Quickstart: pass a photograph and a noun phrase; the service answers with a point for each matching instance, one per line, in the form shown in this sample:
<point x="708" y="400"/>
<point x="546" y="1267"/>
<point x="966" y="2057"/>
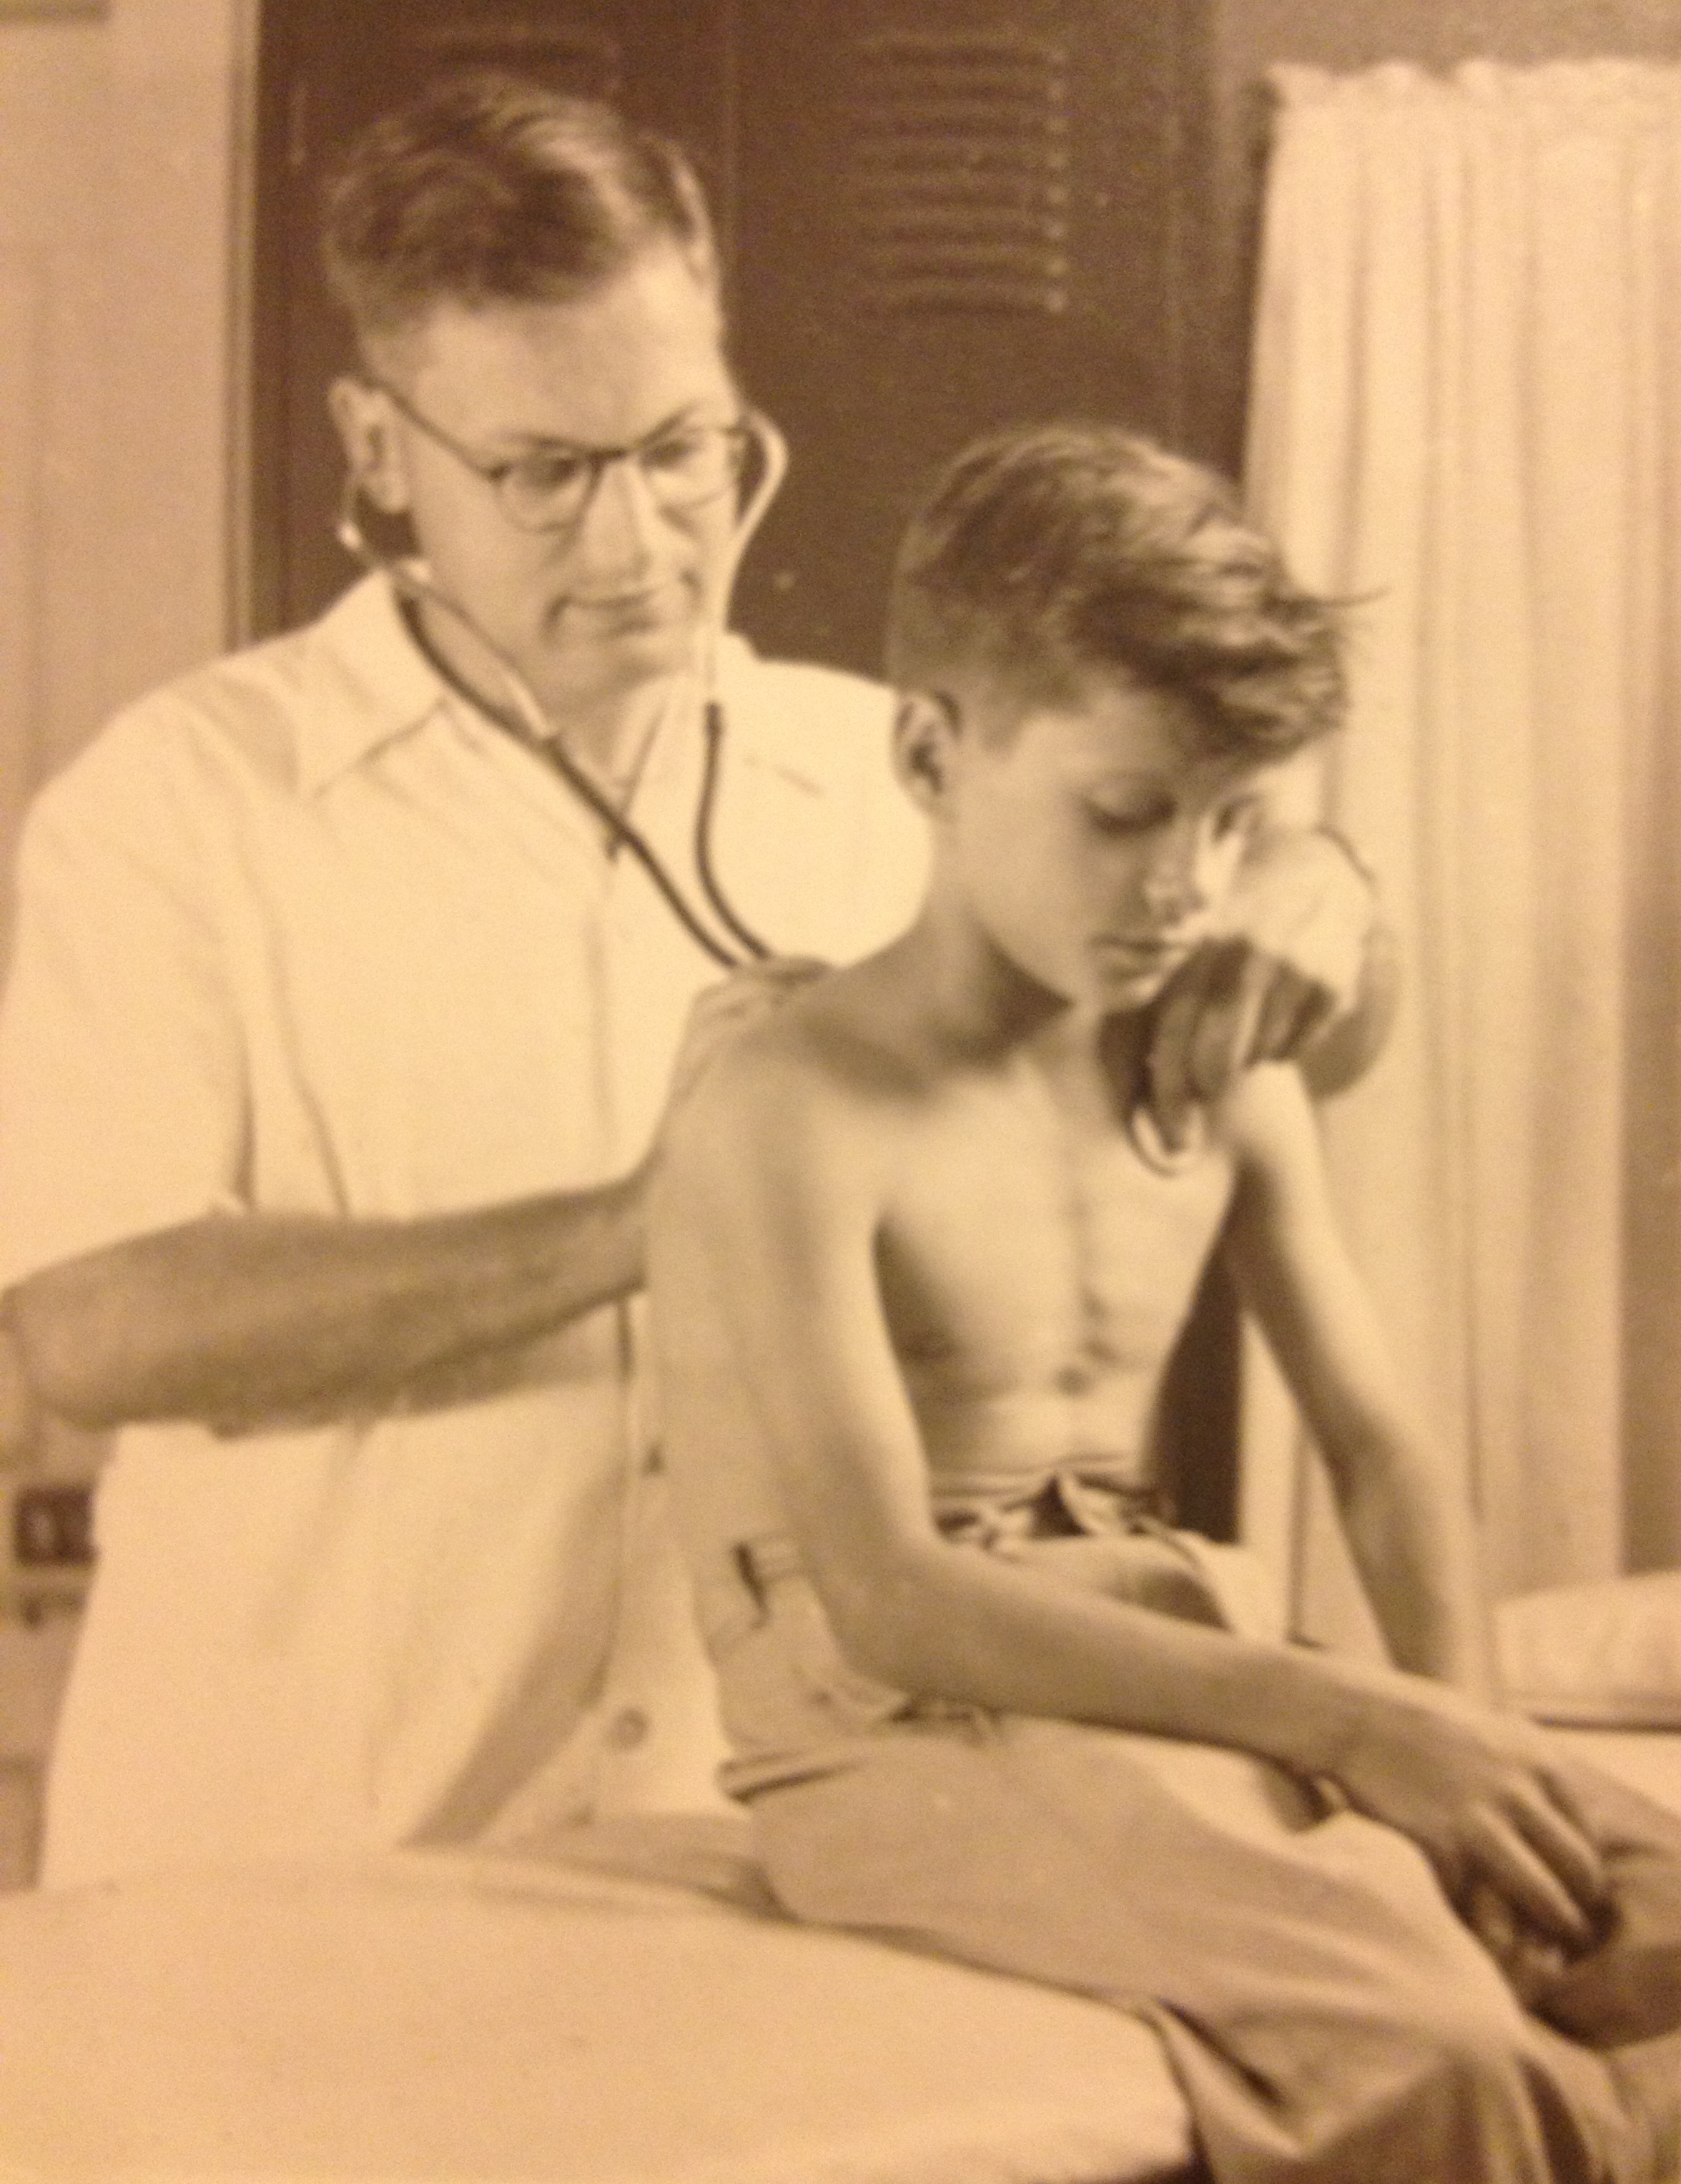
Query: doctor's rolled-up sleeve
<point x="122" y="1095"/>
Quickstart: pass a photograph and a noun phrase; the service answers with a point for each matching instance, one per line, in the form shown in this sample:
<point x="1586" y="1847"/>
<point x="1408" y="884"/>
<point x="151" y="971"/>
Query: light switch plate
<point x="47" y="1548"/>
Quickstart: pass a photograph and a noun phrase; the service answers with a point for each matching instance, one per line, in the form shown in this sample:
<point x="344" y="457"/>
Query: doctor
<point x="340" y="1027"/>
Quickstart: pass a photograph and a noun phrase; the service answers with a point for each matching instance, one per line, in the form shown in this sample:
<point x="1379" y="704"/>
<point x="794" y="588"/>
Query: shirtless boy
<point x="916" y="1270"/>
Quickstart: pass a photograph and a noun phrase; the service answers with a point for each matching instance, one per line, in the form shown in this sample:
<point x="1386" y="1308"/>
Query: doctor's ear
<point x="926" y="731"/>
<point x="362" y="413"/>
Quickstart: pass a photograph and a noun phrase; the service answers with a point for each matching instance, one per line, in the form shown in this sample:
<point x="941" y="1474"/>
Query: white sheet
<point x="432" y="2019"/>
<point x="427" y="2018"/>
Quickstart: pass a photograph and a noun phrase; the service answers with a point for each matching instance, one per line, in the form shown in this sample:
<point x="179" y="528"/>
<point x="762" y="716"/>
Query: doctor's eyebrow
<point x="703" y="410"/>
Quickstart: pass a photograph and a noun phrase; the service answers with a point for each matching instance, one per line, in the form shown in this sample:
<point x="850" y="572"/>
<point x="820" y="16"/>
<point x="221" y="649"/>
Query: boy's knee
<point x="1499" y="2084"/>
<point x="1418" y="2086"/>
<point x="1627" y="1991"/>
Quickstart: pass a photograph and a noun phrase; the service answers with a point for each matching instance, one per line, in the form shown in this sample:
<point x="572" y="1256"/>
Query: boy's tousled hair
<point x="1046" y="554"/>
<point x="487" y="189"/>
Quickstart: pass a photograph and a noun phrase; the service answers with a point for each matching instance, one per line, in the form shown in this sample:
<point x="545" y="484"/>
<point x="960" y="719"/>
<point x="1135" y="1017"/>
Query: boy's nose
<point x="1175" y="886"/>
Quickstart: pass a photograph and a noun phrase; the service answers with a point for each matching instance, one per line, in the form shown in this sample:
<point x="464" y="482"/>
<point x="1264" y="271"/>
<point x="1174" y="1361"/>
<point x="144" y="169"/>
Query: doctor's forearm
<point x="239" y="1320"/>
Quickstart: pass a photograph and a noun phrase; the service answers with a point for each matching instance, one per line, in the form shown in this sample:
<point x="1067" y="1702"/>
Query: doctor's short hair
<point x="488" y="188"/>
<point x="1045" y="554"/>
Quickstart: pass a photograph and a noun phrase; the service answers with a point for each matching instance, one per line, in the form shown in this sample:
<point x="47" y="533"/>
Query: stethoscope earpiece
<point x="347" y="528"/>
<point x="527" y="721"/>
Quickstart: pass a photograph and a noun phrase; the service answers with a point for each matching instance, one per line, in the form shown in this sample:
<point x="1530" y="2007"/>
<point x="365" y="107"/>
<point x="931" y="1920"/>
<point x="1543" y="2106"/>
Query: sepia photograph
<point x="840" y="1091"/>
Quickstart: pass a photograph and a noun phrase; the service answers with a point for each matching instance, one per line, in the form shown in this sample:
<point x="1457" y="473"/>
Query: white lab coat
<point x="305" y="932"/>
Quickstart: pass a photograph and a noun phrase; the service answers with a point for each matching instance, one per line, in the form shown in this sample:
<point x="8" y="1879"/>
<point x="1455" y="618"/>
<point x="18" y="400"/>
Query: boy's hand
<point x="1532" y="1963"/>
<point x="1481" y="1794"/>
<point x="1303" y="971"/>
<point x="722" y="1012"/>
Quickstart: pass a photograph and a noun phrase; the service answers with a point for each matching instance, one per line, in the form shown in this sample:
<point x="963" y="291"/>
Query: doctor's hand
<point x="722" y="1012"/>
<point x="1303" y="969"/>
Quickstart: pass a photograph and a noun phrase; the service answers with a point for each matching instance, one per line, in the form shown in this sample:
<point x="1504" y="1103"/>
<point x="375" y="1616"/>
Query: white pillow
<point x="1607" y="1653"/>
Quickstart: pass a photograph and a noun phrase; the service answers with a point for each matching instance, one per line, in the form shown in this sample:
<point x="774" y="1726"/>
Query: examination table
<point x="438" y="2018"/>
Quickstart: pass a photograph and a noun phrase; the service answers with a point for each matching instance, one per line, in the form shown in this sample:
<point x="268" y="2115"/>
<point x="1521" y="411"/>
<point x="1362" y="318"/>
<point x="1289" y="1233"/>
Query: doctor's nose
<point x="621" y="527"/>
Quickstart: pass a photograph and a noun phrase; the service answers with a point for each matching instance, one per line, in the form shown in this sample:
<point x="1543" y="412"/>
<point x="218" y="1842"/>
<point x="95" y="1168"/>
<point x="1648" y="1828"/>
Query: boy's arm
<point x="1408" y="1525"/>
<point x="773" y="1181"/>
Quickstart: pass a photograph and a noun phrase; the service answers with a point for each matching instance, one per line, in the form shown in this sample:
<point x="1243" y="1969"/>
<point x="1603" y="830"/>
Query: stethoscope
<point x="737" y="944"/>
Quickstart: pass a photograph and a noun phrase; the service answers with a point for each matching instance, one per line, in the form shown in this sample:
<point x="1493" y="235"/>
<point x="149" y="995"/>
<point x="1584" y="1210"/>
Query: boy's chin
<point x="1133" y="977"/>
<point x="1120" y="993"/>
<point x="1099" y="988"/>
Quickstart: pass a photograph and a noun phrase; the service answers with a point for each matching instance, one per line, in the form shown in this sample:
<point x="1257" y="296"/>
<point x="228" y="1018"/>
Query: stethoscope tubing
<point x="739" y="944"/>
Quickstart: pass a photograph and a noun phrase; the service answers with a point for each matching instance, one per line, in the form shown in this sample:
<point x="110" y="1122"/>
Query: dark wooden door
<point x="937" y="215"/>
<point x="954" y="213"/>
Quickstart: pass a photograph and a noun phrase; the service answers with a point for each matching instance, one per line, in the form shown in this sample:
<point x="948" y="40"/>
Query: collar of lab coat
<point x="367" y="682"/>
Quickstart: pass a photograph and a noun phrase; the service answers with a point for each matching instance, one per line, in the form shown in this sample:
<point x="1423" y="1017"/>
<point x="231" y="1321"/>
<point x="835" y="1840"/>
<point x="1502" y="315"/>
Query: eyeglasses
<point x="550" y="487"/>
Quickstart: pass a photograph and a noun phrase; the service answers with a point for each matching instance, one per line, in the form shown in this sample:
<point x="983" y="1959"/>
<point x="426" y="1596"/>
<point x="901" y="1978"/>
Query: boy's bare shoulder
<point x="824" y="1056"/>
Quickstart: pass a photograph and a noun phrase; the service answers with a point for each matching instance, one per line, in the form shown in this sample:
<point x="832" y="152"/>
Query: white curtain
<point x="1467" y="416"/>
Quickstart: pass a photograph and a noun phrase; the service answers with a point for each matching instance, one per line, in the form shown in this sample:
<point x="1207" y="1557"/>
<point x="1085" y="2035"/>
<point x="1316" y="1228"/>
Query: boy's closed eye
<point x="1128" y="816"/>
<point x="1241" y="816"/>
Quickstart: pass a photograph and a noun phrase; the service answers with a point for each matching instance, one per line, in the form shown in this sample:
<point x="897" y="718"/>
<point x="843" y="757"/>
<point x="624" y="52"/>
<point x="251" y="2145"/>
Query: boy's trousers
<point x="1329" y="2018"/>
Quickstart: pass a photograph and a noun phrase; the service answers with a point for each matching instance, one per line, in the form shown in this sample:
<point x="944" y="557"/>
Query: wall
<point x="1350" y="34"/>
<point x="118" y="152"/>
<point x="122" y="148"/>
<point x="181" y="82"/>
<point x="121" y="141"/>
<point x="55" y="195"/>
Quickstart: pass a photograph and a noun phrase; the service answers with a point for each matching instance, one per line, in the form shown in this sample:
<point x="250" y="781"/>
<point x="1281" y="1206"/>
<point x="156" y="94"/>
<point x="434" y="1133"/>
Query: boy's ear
<point x="924" y="735"/>
<point x="363" y="417"/>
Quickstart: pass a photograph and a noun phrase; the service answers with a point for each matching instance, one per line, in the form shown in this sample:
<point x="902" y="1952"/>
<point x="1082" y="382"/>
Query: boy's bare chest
<point x="1028" y="1241"/>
